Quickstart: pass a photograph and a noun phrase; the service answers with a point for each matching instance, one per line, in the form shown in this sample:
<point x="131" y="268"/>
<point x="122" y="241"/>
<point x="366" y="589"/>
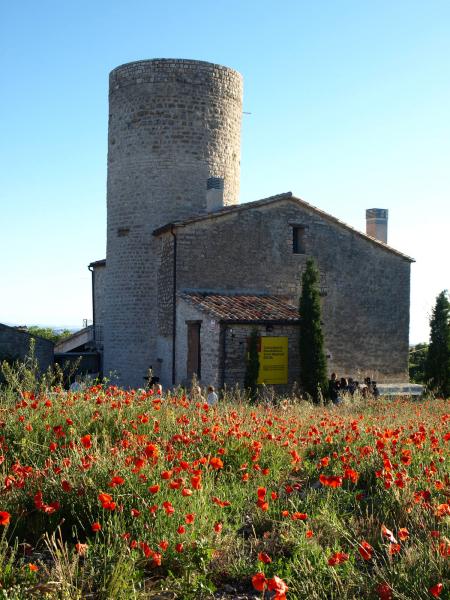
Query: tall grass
<point x="80" y="475"/>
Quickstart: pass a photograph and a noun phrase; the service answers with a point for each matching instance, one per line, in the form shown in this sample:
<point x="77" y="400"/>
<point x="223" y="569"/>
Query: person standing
<point x="212" y="398"/>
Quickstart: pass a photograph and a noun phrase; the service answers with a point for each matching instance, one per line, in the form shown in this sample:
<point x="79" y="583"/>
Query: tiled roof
<point x="243" y="307"/>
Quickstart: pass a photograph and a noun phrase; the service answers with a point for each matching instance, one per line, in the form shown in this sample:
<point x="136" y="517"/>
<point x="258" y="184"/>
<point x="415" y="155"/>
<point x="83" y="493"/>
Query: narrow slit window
<point x="298" y="240"/>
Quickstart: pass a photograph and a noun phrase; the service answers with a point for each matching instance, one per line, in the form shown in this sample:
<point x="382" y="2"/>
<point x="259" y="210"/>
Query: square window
<point x="298" y="239"/>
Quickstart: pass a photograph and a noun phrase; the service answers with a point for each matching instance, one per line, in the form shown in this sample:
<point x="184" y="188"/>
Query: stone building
<point x="15" y="344"/>
<point x="189" y="271"/>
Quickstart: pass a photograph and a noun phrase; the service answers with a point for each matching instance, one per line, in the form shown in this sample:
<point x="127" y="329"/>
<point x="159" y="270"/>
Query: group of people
<point x="196" y="393"/>
<point x="211" y="398"/>
<point x="337" y="388"/>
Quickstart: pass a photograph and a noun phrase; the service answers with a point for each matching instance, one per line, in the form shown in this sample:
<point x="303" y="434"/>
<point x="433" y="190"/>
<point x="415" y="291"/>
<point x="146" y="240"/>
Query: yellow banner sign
<point x="273" y="360"/>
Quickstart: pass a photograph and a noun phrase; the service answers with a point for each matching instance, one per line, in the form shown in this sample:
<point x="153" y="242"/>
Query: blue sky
<point x="349" y="105"/>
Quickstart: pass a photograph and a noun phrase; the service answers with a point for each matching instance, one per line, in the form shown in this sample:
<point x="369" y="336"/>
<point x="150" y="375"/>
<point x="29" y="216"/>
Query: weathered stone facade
<point x="99" y="292"/>
<point x="365" y="284"/>
<point x="172" y="125"/>
<point x="15" y="345"/>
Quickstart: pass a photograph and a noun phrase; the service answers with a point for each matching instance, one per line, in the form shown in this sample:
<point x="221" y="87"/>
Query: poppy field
<point x="112" y="494"/>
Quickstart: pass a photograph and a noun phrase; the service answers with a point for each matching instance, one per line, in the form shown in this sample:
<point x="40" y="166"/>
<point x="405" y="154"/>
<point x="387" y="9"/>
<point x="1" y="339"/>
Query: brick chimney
<point x="376" y="223"/>
<point x="214" y="193"/>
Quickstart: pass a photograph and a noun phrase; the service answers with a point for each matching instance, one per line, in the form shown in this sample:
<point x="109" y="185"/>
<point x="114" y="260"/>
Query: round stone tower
<point x="173" y="124"/>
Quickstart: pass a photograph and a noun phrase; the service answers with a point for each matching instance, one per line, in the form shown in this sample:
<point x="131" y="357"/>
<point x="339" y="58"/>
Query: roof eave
<point x="259" y="321"/>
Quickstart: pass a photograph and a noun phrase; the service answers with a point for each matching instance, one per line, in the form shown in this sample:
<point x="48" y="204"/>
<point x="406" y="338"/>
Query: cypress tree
<point x="252" y="365"/>
<point x="437" y="366"/>
<point x="313" y="363"/>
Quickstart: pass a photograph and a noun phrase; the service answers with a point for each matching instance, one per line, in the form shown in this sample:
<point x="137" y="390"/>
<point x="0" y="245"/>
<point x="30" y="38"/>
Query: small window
<point x="298" y="239"/>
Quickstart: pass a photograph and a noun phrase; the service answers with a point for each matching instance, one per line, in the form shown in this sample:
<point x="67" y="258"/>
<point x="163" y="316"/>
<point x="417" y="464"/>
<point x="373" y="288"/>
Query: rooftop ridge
<point x="276" y="198"/>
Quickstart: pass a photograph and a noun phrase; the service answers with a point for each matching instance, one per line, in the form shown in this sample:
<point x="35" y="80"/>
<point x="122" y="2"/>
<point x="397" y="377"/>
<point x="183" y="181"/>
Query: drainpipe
<point x="224" y="349"/>
<point x="174" y="304"/>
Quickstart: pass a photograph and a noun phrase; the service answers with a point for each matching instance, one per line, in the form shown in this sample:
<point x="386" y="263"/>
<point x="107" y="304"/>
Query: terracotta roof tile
<point x="243" y="307"/>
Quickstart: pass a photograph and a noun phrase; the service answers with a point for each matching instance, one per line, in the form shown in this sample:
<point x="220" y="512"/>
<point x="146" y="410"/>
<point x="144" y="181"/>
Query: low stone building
<point x="15" y="344"/>
<point x="189" y="271"/>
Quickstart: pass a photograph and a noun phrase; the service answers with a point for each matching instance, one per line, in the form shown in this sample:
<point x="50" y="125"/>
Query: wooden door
<point x="194" y="350"/>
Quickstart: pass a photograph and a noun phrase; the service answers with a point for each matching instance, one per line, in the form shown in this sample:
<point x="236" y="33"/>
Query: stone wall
<point x="15" y="344"/>
<point x="172" y="124"/>
<point x="99" y="310"/>
<point x="209" y="344"/>
<point x="365" y="286"/>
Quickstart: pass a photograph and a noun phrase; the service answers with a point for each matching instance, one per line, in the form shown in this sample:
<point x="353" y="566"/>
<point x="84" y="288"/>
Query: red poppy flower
<point x="387" y="533"/>
<point x="403" y="534"/>
<point x="196" y="482"/>
<point x="179" y="548"/>
<point x="86" y="441"/>
<point x="299" y="516"/>
<point x="163" y="544"/>
<point x="278" y="586"/>
<point x="216" y="463"/>
<point x="168" y="508"/>
<point x="436" y="590"/>
<point x="221" y="503"/>
<point x="218" y="527"/>
<point x="4" y="518"/>
<point x="181" y="529"/>
<point x="96" y="527"/>
<point x="442" y="510"/>
<point x="33" y="567"/>
<point x="394" y="549"/>
<point x="106" y="501"/>
<point x="337" y="558"/>
<point x="263" y="505"/>
<point x="117" y="480"/>
<point x="309" y="534"/>
<point x="153" y="489"/>
<point x="66" y="486"/>
<point x="148" y="552"/>
<point x="151" y="451"/>
<point x="81" y="549"/>
<point x="332" y="481"/>
<point x="265" y="558"/>
<point x="365" y="550"/>
<point x="384" y="591"/>
<point x="259" y="582"/>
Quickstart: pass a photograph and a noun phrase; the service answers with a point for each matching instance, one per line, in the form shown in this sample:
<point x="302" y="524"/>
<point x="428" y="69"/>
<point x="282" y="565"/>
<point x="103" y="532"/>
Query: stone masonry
<point x="364" y="284"/>
<point x="15" y="345"/>
<point x="172" y="125"/>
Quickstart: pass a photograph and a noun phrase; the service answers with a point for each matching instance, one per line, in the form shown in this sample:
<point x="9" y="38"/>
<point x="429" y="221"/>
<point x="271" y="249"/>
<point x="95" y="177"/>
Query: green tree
<point x="313" y="362"/>
<point x="252" y="365"/>
<point x="417" y="359"/>
<point x="437" y="366"/>
<point x="54" y="335"/>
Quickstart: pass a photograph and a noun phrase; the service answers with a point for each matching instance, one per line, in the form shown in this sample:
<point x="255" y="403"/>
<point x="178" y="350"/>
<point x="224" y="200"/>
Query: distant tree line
<point x="54" y="335"/>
